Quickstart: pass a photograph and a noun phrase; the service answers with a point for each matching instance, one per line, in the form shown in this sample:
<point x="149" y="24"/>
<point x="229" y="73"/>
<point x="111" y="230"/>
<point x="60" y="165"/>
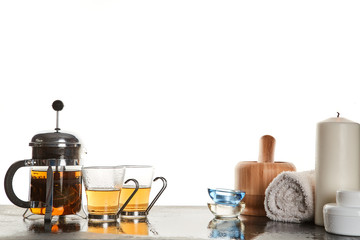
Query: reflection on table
<point x="58" y="225"/>
<point x="135" y="226"/>
<point x="226" y="228"/>
<point x="124" y="226"/>
<point x="65" y="224"/>
<point x="170" y="222"/>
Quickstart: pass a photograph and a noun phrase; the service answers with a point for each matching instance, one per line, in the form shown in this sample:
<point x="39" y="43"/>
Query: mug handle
<point x="158" y="195"/>
<point x="131" y="196"/>
<point x="8" y="183"/>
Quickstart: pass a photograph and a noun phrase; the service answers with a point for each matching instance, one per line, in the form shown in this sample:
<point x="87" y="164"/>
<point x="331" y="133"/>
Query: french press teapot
<point x="55" y="184"/>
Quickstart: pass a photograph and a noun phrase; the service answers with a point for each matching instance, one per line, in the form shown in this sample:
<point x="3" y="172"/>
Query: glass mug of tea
<point x="103" y="185"/>
<point x="138" y="206"/>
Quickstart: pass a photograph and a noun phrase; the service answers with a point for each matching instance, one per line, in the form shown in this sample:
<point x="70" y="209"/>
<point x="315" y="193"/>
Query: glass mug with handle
<point x="103" y="185"/>
<point x="138" y="206"/>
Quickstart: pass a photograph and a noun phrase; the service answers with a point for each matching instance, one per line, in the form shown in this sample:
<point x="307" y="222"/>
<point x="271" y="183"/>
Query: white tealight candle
<point x="337" y="164"/>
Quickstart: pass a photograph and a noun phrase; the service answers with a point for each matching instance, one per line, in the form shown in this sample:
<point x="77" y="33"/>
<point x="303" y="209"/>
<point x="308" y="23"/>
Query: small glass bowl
<point x="226" y="211"/>
<point x="226" y="196"/>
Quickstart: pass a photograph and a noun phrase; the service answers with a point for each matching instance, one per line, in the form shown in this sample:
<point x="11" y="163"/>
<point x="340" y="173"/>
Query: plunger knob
<point x="57" y="106"/>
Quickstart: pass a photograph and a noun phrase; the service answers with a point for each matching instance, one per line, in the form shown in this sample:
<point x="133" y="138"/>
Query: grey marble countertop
<point x="163" y="222"/>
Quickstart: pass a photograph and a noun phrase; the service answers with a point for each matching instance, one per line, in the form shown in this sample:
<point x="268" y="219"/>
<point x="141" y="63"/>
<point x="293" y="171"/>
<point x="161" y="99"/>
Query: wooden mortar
<point x="254" y="177"/>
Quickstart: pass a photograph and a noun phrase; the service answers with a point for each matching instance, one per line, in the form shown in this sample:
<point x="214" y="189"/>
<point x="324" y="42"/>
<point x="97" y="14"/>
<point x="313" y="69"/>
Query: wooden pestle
<point x="254" y="177"/>
<point x="267" y="149"/>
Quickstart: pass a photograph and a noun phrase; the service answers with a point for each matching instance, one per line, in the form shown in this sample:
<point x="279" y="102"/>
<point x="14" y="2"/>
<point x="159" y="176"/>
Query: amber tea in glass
<point x="139" y="202"/>
<point x="67" y="191"/>
<point x="103" y="201"/>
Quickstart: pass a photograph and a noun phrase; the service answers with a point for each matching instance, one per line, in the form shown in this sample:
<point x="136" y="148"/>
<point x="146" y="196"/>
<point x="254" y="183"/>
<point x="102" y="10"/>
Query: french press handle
<point x="8" y="183"/>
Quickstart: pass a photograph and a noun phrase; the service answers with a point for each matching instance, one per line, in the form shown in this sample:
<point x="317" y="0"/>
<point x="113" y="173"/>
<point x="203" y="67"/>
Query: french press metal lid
<point x="53" y="149"/>
<point x="63" y="147"/>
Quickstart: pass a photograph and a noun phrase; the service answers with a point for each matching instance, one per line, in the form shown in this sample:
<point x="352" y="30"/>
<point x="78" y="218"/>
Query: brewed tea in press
<point x="55" y="184"/>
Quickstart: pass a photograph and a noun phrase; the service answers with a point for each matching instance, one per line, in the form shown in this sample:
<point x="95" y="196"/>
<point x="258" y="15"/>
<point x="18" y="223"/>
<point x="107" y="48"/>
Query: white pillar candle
<point x="337" y="161"/>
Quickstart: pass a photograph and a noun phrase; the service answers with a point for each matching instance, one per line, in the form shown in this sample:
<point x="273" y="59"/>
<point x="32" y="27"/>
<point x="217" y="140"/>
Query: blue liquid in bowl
<point x="226" y="196"/>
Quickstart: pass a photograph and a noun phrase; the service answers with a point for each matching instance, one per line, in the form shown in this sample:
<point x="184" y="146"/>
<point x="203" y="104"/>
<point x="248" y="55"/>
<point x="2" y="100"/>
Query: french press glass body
<point x="55" y="184"/>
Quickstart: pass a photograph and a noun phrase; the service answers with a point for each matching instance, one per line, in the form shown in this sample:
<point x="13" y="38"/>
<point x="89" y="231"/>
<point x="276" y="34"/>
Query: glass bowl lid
<point x="226" y="196"/>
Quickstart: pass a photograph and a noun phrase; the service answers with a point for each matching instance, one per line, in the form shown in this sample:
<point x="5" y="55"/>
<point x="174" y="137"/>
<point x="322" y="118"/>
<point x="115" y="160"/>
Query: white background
<point x="188" y="86"/>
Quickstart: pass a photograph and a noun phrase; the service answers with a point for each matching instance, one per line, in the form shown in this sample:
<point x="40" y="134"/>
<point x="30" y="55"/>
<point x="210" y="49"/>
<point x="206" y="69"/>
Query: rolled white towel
<point x="290" y="197"/>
